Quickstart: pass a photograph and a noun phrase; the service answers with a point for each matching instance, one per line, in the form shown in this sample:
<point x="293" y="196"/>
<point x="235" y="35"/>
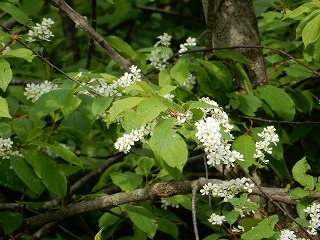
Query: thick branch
<point x="158" y="190"/>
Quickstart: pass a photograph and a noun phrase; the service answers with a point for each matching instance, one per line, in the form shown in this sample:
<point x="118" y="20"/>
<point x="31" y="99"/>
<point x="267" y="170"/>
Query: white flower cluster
<point x="190" y="82"/>
<point x="41" y="31"/>
<point x="160" y="55"/>
<point x="216" y="219"/>
<point x="269" y="136"/>
<point x="169" y="96"/>
<point x="110" y="90"/>
<point x="6" y="49"/>
<point x="184" y="117"/>
<point x="124" y="143"/>
<point x="314" y="212"/>
<point x="287" y="234"/>
<point x="238" y="229"/>
<point x="228" y="189"/>
<point x="165" y="204"/>
<point x="164" y="40"/>
<point x="6" y="148"/>
<point x="189" y="42"/>
<point x="34" y="91"/>
<point x="209" y="128"/>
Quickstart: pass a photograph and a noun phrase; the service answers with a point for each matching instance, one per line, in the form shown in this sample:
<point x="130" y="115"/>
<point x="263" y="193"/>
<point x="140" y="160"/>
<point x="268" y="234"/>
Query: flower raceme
<point x="41" y="31"/>
<point x="34" y="91"/>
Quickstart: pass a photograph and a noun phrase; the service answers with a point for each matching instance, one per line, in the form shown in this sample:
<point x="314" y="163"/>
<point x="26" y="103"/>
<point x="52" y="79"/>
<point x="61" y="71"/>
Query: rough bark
<point x="233" y="23"/>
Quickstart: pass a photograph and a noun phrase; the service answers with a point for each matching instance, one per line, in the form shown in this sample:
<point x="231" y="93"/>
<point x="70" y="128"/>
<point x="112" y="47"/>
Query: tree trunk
<point x="233" y="23"/>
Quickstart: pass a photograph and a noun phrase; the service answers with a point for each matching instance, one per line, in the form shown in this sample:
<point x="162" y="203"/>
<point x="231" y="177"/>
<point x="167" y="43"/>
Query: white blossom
<point x="269" y="136"/>
<point x="6" y="148"/>
<point x="216" y="219"/>
<point x="159" y="58"/>
<point x="314" y="214"/>
<point x="165" y="204"/>
<point x="189" y="42"/>
<point x="228" y="189"/>
<point x="34" y="91"/>
<point x="41" y="31"/>
<point x="190" y="82"/>
<point x="164" y="40"/>
<point x="101" y="87"/>
<point x="124" y="143"/>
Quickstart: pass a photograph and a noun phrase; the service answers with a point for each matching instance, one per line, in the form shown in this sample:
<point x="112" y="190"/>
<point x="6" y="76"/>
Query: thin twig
<point x="93" y="23"/>
<point x="194" y="187"/>
<point x="275" y="121"/>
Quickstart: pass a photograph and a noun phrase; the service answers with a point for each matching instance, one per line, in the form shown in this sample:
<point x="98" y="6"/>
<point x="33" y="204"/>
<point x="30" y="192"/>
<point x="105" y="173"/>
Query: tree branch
<point x="155" y="191"/>
<point x="82" y="22"/>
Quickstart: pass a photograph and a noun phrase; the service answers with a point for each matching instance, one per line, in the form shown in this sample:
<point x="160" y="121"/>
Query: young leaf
<point x="145" y="164"/>
<point x="48" y="171"/>
<point x="22" y="127"/>
<point x="164" y="78"/>
<point x="126" y="181"/>
<point x="180" y="70"/>
<point x="10" y="221"/>
<point x="299" y="174"/>
<point x="121" y="105"/>
<point x="263" y="230"/>
<point x="4" y="110"/>
<point x="246" y="146"/>
<point x="311" y="32"/>
<point x="279" y="101"/>
<point x="26" y="174"/>
<point x="143" y="219"/>
<point x="98" y="235"/>
<point x="70" y="105"/>
<point x="5" y="74"/>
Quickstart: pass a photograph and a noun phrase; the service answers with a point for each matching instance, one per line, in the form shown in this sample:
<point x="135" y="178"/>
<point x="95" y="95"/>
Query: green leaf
<point x="263" y="230"/>
<point x="21" y="53"/>
<point x="143" y="219"/>
<point x="146" y="110"/>
<point x="180" y="70"/>
<point x="119" y="106"/>
<point x="22" y="127"/>
<point x="48" y="171"/>
<point x="168" y="145"/>
<point x="231" y="217"/>
<point x="64" y="153"/>
<point x="26" y="174"/>
<point x="126" y="181"/>
<point x="311" y="32"/>
<point x="167" y="226"/>
<point x="244" y="78"/>
<point x="15" y="12"/>
<point x="70" y="105"/>
<point x="245" y="145"/>
<point x="220" y="72"/>
<point x="145" y="164"/>
<point x="237" y="57"/>
<point x="298" y="193"/>
<point x="214" y="236"/>
<point x="304" y="8"/>
<point x="298" y="72"/>
<point x="49" y="102"/>
<point x="166" y="89"/>
<point x="4" y="110"/>
<point x="10" y="221"/>
<point x="164" y="78"/>
<point x="279" y="101"/>
<point x="299" y="174"/>
<point x="5" y="74"/>
<point x="98" y="235"/>
<point x="100" y="104"/>
<point x="249" y="104"/>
